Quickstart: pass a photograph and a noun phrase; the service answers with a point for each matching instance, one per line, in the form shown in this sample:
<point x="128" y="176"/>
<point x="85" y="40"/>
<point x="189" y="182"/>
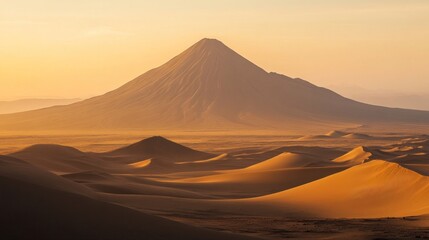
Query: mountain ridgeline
<point x="211" y="87"/>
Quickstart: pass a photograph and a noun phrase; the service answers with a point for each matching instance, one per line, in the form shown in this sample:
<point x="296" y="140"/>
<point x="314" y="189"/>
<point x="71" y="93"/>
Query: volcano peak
<point x="209" y="86"/>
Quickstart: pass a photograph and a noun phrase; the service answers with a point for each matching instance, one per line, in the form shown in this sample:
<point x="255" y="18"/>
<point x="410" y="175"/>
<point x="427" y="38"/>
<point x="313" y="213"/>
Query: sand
<point x="260" y="181"/>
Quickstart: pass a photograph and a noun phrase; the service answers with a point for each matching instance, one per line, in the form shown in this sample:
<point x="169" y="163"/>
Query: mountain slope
<point x="211" y="87"/>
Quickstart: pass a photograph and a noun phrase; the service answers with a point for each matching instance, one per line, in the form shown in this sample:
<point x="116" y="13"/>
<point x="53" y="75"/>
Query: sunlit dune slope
<point x="284" y="160"/>
<point x="356" y="156"/>
<point x="374" y="189"/>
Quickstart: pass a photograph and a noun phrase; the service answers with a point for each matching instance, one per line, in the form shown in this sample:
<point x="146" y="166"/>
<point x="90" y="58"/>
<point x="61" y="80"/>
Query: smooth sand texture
<point x="34" y="212"/>
<point x="295" y="180"/>
<point x="337" y="134"/>
<point x="22" y="171"/>
<point x="211" y="87"/>
<point x="374" y="189"/>
<point x="284" y="160"/>
<point x="64" y="159"/>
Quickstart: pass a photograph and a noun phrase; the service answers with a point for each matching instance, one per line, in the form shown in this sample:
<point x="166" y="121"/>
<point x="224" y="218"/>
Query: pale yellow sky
<point x="81" y="48"/>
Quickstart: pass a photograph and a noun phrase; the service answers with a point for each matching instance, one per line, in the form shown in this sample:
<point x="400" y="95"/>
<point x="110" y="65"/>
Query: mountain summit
<point x="211" y="87"/>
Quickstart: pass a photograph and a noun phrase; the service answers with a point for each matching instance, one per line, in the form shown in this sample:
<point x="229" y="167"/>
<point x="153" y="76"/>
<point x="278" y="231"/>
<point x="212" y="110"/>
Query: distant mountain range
<point x="28" y="104"/>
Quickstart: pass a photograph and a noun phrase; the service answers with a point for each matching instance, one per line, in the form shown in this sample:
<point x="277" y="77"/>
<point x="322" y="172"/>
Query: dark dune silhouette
<point x="34" y="212"/>
<point x="160" y="147"/>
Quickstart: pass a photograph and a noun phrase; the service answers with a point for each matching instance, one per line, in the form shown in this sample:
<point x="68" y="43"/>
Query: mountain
<point x="22" y="105"/>
<point x="211" y="87"/>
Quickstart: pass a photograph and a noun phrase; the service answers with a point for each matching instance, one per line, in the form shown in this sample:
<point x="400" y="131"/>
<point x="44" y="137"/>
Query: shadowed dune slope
<point x="17" y="169"/>
<point x="211" y="87"/>
<point x="284" y="171"/>
<point x="61" y="159"/>
<point x="245" y="183"/>
<point x="126" y="184"/>
<point x="160" y="147"/>
<point x="33" y="212"/>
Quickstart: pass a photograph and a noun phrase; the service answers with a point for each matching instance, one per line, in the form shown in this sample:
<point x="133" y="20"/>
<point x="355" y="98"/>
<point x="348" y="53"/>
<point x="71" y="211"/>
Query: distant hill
<point x="22" y="105"/>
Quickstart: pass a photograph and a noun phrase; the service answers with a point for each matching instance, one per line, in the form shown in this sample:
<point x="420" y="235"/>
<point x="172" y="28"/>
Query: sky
<point x="364" y="49"/>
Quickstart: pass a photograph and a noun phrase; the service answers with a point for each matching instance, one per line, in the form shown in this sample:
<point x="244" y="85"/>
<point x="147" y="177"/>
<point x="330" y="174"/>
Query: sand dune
<point x="292" y="182"/>
<point x="371" y="190"/>
<point x="281" y="172"/>
<point x="336" y="134"/>
<point x="244" y="183"/>
<point x="62" y="159"/>
<point x="127" y="184"/>
<point x="413" y="158"/>
<point x="19" y="170"/>
<point x="356" y="156"/>
<point x="374" y="189"/>
<point x="159" y="154"/>
<point x="141" y="164"/>
<point x="159" y="147"/>
<point x="285" y="160"/>
<point x="34" y="212"/>
<point x="217" y="158"/>
<point x="357" y="136"/>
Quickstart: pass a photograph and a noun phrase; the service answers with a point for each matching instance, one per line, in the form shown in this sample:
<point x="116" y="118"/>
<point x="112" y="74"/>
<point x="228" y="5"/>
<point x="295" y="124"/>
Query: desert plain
<point x="334" y="185"/>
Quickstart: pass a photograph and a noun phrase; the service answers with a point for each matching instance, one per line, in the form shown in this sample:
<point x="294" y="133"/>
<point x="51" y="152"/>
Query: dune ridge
<point x="356" y="156"/>
<point x="379" y="188"/>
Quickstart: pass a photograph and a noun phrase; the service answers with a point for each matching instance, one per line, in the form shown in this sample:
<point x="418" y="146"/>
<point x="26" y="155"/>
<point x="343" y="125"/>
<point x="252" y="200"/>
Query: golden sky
<point x="81" y="48"/>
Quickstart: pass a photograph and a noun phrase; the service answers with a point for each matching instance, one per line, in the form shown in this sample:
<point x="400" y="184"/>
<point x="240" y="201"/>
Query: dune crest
<point x="141" y="164"/>
<point x="283" y="160"/>
<point x="374" y="189"/>
<point x="356" y="156"/>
